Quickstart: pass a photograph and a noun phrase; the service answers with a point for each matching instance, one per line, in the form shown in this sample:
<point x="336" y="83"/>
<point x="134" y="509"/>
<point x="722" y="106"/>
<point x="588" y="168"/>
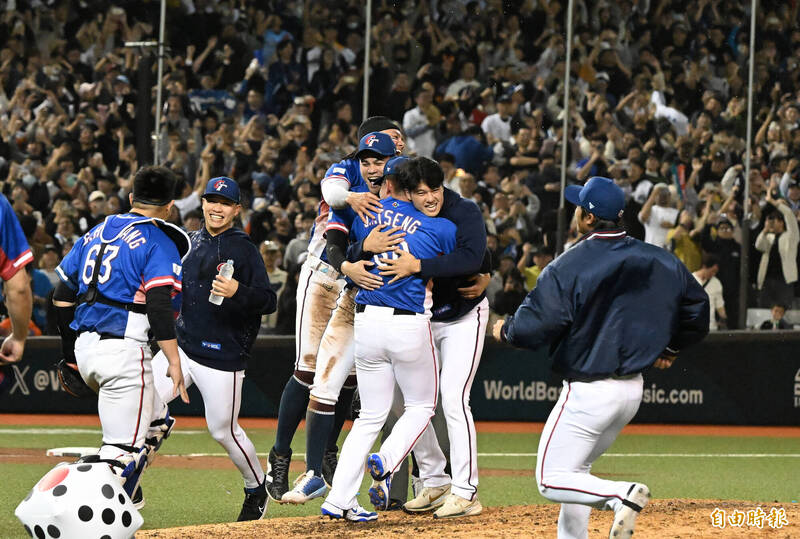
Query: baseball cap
<point x="97" y="195"/>
<point x="223" y="186"/>
<point x="123" y="79"/>
<point x="599" y="195"/>
<point x="393" y="163"/>
<point x="271" y="246"/>
<point x="378" y="143"/>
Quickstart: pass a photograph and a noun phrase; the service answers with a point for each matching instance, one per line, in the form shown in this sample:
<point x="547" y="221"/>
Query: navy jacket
<point x="450" y="271"/>
<point x="221" y="336"/>
<point x="609" y="306"/>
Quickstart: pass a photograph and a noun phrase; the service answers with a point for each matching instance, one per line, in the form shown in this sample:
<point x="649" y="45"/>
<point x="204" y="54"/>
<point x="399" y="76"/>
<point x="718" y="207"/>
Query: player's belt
<point x="103" y="336"/>
<point x="360" y="308"/>
<point x="316" y="264"/>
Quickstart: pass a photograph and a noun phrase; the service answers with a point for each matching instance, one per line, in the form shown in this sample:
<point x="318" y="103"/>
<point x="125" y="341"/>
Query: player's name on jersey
<point x="132" y="236"/>
<point x="394" y="218"/>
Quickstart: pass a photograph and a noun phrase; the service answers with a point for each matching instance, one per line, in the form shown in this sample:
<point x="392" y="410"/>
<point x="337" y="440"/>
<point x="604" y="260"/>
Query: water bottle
<point x="226" y="271"/>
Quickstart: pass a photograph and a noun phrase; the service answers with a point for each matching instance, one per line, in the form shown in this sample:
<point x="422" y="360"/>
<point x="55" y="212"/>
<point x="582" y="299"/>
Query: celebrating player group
<point x="391" y="302"/>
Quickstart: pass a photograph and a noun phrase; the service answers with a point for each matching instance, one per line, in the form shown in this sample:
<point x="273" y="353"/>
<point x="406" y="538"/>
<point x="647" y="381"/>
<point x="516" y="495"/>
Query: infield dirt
<point x="660" y="519"/>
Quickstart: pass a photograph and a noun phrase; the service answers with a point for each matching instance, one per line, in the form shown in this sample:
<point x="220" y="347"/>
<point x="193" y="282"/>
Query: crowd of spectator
<point x="270" y="94"/>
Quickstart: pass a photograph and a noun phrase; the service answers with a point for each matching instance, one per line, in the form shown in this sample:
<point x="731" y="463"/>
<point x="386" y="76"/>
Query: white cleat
<point x="455" y="506"/>
<point x="625" y="517"/>
<point x="428" y="499"/>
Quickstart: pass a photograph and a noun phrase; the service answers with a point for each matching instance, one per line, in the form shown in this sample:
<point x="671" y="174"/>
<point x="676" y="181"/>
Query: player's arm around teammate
<point x="216" y="340"/>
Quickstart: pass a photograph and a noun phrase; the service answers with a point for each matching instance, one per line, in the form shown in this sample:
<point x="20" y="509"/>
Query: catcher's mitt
<point x="71" y="380"/>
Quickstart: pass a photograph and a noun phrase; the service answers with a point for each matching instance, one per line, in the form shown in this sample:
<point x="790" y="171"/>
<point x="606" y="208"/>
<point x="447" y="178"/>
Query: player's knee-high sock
<point x="319" y="422"/>
<point x="343" y="406"/>
<point x="293" y="406"/>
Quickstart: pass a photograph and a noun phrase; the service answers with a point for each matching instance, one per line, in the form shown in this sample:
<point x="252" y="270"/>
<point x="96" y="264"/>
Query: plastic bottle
<point x="226" y="271"/>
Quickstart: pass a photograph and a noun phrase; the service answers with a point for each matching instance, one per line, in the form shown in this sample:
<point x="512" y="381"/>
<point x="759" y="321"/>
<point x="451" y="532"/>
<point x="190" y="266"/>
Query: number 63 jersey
<point x="426" y="237"/>
<point x="141" y="253"/>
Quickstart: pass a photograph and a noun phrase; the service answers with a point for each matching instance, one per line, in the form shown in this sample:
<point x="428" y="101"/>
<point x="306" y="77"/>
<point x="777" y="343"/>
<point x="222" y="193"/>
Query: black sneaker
<point x="255" y="503"/>
<point x="277" y="480"/>
<point x="329" y="462"/>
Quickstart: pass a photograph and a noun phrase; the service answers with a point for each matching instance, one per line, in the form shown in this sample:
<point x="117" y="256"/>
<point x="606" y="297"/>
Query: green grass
<point x="177" y="497"/>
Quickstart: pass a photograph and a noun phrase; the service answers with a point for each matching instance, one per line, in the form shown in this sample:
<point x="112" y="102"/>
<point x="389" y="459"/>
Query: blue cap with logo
<point x="378" y="143"/>
<point x="600" y="196"/>
<point x="393" y="163"/>
<point x="224" y="187"/>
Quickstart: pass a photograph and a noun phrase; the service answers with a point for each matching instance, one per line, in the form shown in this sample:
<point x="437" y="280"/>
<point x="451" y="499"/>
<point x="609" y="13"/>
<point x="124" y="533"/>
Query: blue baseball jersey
<point x="426" y="237"/>
<point x="14" y="249"/>
<point x="138" y="256"/>
<point x="348" y="170"/>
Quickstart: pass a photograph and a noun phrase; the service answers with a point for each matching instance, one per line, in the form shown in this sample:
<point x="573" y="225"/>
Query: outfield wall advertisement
<point x="739" y="378"/>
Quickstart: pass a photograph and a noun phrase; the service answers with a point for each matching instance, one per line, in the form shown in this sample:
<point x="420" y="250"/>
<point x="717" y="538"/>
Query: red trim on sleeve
<point x="336" y="226"/>
<point x="9" y="268"/>
<point x="162" y="281"/>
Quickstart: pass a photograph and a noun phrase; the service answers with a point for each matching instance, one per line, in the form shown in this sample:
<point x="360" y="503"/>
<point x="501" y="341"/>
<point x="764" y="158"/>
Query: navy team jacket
<point x="610" y="305"/>
<point x="221" y="336"/>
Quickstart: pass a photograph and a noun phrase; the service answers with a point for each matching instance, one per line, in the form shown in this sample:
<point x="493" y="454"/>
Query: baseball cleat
<point x="329" y="463"/>
<point x="307" y="487"/>
<point x="376" y="466"/>
<point x="255" y="503"/>
<point x="379" y="493"/>
<point x="428" y="499"/>
<point x="455" y="506"/>
<point x="278" y="475"/>
<point x="625" y="517"/>
<point x="354" y="514"/>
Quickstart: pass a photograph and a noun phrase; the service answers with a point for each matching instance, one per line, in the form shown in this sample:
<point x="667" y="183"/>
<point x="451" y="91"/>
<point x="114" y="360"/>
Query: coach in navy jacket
<point x="610" y="306"/>
<point x="221" y="336"/>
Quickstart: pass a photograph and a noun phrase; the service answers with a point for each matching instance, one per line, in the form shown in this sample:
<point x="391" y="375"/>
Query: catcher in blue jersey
<point x="116" y="287"/>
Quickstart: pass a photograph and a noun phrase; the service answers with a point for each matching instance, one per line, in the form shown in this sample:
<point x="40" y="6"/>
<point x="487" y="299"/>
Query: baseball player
<point x="116" y="285"/>
<point x="393" y="344"/>
<point x="214" y="341"/>
<point x="14" y="256"/>
<point x="460" y="314"/>
<point x="609" y="308"/>
<point x="324" y="331"/>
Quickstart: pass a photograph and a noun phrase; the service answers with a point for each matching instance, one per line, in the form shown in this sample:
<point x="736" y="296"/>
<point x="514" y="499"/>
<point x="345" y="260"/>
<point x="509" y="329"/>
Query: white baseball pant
<point x="222" y="398"/>
<point x="318" y="291"/>
<point x="584" y="422"/>
<point x="120" y="369"/>
<point x="459" y="344"/>
<point x="388" y="347"/>
<point x="335" y="357"/>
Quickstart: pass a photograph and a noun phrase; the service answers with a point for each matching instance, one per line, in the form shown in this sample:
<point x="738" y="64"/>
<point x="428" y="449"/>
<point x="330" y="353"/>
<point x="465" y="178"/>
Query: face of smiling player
<point x="372" y="168"/>
<point x="397" y="138"/>
<point x="219" y="213"/>
<point x="428" y="201"/>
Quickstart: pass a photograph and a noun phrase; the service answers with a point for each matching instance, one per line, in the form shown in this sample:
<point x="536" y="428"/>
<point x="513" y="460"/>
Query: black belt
<point x="103" y="336"/>
<point x="360" y="309"/>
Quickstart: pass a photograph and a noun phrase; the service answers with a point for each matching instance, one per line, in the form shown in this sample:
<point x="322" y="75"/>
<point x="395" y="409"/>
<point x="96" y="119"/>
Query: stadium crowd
<point x="270" y="94"/>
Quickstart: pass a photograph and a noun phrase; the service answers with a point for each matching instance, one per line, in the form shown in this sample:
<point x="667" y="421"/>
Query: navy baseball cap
<point x="378" y="143"/>
<point x="224" y="187"/>
<point x="600" y="196"/>
<point x="393" y="163"/>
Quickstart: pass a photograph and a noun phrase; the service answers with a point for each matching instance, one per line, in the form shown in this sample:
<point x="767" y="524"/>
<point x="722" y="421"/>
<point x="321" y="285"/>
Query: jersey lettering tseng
<point x="426" y="237"/>
<point x="348" y="170"/>
<point x="138" y="256"/>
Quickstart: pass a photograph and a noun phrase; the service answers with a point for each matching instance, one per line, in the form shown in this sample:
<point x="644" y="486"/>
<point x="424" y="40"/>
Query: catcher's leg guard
<point x="159" y="430"/>
<point x="129" y="468"/>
